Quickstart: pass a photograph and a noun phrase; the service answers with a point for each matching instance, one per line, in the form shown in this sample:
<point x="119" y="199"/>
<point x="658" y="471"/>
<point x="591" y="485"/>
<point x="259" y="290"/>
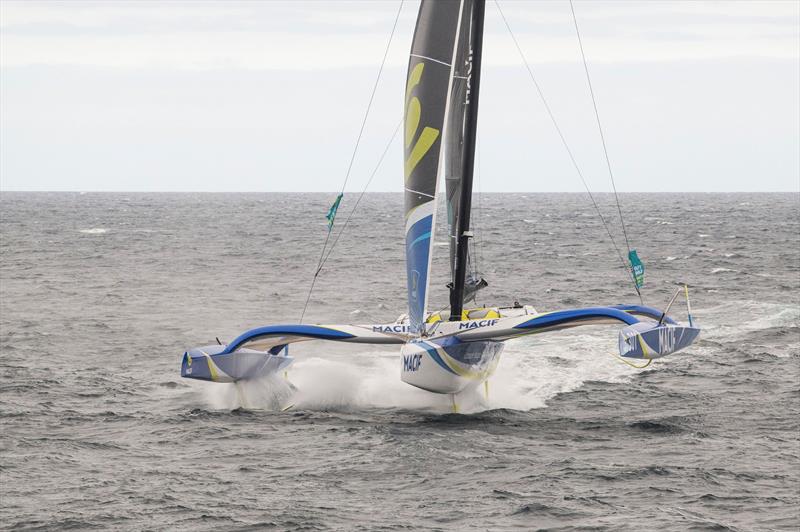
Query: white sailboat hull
<point x="448" y="365"/>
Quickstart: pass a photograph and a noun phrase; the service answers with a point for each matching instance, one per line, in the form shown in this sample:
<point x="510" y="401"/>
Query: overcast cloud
<point x="269" y="96"/>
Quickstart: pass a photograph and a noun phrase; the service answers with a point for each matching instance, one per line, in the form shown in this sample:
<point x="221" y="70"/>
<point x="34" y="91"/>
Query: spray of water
<point x="531" y="371"/>
<point x="269" y="393"/>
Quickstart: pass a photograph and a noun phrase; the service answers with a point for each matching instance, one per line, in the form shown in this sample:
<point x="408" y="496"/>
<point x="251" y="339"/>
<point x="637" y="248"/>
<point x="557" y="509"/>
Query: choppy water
<point x="100" y="294"/>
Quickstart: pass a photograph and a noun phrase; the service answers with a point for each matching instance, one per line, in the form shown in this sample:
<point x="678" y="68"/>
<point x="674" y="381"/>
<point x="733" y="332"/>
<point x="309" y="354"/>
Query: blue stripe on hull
<point x="567" y="316"/>
<point x="310" y="331"/>
<point x="431" y="350"/>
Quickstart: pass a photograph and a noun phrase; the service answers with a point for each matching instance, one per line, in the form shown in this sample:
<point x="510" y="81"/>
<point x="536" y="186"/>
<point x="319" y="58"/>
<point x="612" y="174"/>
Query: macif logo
<point x="390" y="328"/>
<point x="476" y="324"/>
<point x="412" y="362"/>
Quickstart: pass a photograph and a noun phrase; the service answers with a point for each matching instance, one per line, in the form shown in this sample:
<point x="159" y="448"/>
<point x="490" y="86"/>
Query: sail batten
<point x="431" y="59"/>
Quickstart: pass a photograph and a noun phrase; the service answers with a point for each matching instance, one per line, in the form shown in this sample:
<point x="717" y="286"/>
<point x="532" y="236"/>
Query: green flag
<point x="332" y="211"/>
<point x="637" y="267"/>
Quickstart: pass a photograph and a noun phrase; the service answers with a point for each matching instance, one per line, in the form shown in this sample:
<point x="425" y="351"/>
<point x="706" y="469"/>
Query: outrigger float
<point x="456" y="350"/>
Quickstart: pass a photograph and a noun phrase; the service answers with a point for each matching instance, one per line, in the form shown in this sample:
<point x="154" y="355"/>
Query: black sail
<point x="454" y="144"/>
<point x="465" y="113"/>
<point x="454" y="147"/>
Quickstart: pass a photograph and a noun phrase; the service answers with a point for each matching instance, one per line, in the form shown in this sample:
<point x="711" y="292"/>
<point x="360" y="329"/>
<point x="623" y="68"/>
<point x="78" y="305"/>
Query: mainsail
<point x="427" y="100"/>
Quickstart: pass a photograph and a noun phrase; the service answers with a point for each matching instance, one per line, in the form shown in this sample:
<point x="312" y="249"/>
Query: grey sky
<point x="269" y="96"/>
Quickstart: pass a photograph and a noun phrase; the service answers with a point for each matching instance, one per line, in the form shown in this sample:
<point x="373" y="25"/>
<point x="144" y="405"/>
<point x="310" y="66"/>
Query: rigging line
<point x="561" y="136"/>
<point x="372" y="96"/>
<point x="603" y="140"/>
<point x="363" y="191"/>
<point x="316" y="273"/>
<point x="324" y="259"/>
<point x="320" y="261"/>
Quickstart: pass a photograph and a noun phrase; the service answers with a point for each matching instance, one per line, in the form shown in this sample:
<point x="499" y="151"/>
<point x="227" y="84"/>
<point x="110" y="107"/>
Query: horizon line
<point x="89" y="191"/>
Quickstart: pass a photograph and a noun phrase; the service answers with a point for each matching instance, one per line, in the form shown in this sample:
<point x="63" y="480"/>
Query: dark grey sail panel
<point x="454" y="143"/>
<point x="426" y="96"/>
<point x="459" y="287"/>
<point x="454" y="149"/>
<point x="437" y="25"/>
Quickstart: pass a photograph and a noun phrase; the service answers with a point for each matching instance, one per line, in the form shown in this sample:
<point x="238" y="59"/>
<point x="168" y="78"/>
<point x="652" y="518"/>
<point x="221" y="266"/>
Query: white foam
<point x="531" y="371"/>
<point x="536" y="369"/>
<point x="777" y="316"/>
<point x="760" y="316"/>
<point x="94" y="231"/>
<point x="270" y="393"/>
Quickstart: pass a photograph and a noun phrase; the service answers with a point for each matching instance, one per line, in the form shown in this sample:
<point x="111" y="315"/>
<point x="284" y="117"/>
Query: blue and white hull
<point x="210" y="363"/>
<point x="448" y="365"/>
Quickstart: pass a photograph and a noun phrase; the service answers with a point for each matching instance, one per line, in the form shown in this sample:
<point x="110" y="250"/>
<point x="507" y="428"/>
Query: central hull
<point x="448" y="365"/>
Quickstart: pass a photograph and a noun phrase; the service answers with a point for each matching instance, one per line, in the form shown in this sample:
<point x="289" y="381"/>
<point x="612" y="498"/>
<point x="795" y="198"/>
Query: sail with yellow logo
<point x="430" y="75"/>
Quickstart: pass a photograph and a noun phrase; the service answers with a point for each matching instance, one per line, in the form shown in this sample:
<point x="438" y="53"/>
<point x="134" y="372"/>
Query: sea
<point x="101" y="294"/>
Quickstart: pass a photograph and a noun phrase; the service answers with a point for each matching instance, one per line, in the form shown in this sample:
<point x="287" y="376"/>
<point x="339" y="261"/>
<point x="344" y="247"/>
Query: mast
<point x="468" y="157"/>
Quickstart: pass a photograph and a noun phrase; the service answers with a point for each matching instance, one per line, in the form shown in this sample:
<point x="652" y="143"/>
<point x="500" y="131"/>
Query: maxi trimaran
<point x="451" y="351"/>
